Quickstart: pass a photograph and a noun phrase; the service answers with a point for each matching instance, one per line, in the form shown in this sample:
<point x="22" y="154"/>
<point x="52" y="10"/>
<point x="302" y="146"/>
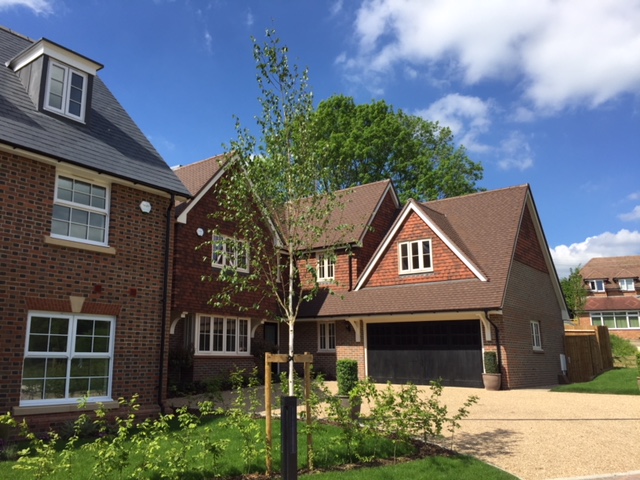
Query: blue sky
<point x="541" y="92"/>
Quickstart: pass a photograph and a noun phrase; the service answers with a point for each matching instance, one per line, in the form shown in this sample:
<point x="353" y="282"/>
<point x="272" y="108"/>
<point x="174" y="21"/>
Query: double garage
<point x="419" y="352"/>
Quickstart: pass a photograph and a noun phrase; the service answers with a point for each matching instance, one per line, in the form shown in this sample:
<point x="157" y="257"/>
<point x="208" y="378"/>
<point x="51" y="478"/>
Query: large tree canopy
<point x="365" y="143"/>
<point x="574" y="291"/>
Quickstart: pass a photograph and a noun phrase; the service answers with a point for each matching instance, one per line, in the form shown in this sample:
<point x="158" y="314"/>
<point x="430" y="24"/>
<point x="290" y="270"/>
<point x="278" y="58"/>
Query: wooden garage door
<point x="419" y="352"/>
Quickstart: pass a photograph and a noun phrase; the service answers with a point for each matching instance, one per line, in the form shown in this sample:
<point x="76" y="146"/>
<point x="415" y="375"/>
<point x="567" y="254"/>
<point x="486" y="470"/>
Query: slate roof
<point x="612" y="268"/>
<point x="109" y="143"/>
<point x="483" y="226"/>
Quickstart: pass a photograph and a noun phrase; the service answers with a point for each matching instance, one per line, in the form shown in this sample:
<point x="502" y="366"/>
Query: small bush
<point x="638" y="362"/>
<point x="347" y="373"/>
<point x="491" y="362"/>
<point x="622" y="350"/>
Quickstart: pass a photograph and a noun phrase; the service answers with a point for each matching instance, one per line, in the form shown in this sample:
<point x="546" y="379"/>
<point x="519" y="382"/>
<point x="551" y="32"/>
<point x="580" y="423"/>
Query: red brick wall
<point x="528" y="250"/>
<point x="131" y="280"/>
<point x="530" y="297"/>
<point x="447" y="266"/>
<point x="632" y="334"/>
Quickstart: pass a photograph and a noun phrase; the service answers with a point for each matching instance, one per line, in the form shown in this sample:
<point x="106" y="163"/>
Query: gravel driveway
<point x="537" y="434"/>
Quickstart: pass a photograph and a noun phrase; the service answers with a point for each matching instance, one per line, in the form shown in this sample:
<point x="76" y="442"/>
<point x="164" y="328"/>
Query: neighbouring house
<point x="86" y="223"/>
<point x="613" y="300"/>
<point x="417" y="293"/>
<point x="220" y="339"/>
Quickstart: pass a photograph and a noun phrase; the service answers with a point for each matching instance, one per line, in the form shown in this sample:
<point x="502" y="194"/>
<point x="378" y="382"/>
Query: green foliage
<point x="622" y="349"/>
<point x="347" y="375"/>
<point x="365" y="143"/>
<point x="619" y="381"/>
<point x="574" y="291"/>
<point x="491" y="362"/>
<point x="638" y="362"/>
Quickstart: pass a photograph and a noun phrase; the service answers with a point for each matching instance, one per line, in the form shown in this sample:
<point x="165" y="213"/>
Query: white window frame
<point x="536" y="336"/>
<point x="73" y="206"/>
<point x="617" y="320"/>
<point x="69" y="355"/>
<point x="222" y="336"/>
<point x="415" y="250"/>
<point x="326" y="267"/>
<point x="627" y="284"/>
<point x="596" y="285"/>
<point x="66" y="91"/>
<point x="226" y="252"/>
<point x="326" y="336"/>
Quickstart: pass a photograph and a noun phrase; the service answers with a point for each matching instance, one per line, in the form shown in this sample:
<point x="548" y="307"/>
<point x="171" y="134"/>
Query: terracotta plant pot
<point x="492" y="381"/>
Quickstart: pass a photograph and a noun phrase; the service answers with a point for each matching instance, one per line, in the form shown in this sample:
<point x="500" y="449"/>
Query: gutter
<point x="487" y="314"/>
<point x="165" y="301"/>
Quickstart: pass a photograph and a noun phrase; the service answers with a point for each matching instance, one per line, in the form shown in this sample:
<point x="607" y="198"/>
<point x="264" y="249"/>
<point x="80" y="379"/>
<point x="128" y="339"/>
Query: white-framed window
<point x="326" y="267"/>
<point x="596" y="285"/>
<point x="222" y="335"/>
<point x="536" y="338"/>
<point x="326" y="337"/>
<point x="229" y="252"/>
<point x="80" y="211"/>
<point x="415" y="257"/>
<point x="627" y="284"/>
<point x="67" y="357"/>
<point x="66" y="91"/>
<point x="616" y="319"/>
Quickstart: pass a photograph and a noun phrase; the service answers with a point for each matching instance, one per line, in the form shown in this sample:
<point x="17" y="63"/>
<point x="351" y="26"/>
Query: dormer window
<point x="415" y="257"/>
<point x="66" y="91"/>
<point x="627" y="284"/>
<point x="596" y="285"/>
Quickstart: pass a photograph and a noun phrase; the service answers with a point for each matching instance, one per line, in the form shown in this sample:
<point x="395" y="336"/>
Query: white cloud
<point x="39" y="7"/>
<point x="336" y="7"/>
<point x="562" y="52"/>
<point x="515" y="153"/>
<point x="250" y="19"/>
<point x="467" y="117"/>
<point x="634" y="196"/>
<point x="606" y="244"/>
<point x="631" y="216"/>
<point x="208" y="40"/>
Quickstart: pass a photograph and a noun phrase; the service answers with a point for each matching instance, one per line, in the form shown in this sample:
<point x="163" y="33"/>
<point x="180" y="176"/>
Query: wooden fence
<point x="588" y="351"/>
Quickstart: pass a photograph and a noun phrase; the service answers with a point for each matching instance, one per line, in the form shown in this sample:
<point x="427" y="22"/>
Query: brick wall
<point x="447" y="266"/>
<point x="530" y="297"/>
<point x="528" y="249"/>
<point x="39" y="274"/>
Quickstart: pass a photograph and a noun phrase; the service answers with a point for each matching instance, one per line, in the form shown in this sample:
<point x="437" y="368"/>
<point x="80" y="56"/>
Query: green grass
<point x="432" y="468"/>
<point x="619" y="381"/>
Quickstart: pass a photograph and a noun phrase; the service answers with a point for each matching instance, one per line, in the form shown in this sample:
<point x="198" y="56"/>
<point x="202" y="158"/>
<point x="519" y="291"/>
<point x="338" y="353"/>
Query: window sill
<point x="79" y="245"/>
<point x="538" y="350"/>
<point x="326" y="352"/>
<point x="71" y="407"/>
<point x="221" y="355"/>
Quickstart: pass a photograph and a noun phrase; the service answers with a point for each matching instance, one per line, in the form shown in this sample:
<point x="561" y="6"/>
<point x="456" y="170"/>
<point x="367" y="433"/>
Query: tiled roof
<point x="110" y="142"/>
<point x="599" y="304"/>
<point x="197" y="175"/>
<point x="611" y="268"/>
<point x="484" y="226"/>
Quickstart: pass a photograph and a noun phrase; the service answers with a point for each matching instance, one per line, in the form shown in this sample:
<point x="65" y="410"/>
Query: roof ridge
<point x="17" y="34"/>
<point x="474" y="194"/>
<point x="200" y="161"/>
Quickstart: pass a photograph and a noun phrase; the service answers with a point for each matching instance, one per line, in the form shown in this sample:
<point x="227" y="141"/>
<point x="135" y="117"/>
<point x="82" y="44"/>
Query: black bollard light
<point x="289" y="431"/>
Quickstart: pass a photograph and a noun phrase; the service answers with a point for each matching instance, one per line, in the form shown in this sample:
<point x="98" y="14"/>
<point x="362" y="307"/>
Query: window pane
<point x="83" y="344"/>
<point x="231" y="335"/>
<point x="633" y="320"/>
<point x="218" y="338"/>
<point x="85" y="327"/>
<point x="97" y="220"/>
<point x="243" y="335"/>
<point x="34" y="368"/>
<point x="404" y="257"/>
<point x="608" y="320"/>
<point x="58" y="343"/>
<point x="99" y="386"/>
<point x="61" y="213"/>
<point x="78" y="387"/>
<point x="101" y="345"/>
<point x="75" y="107"/>
<point x="39" y="325"/>
<point x="55" y="388"/>
<point x="56" y="367"/>
<point x="426" y="255"/>
<point x="57" y="73"/>
<point x="96" y="235"/>
<point x="32" y="389"/>
<point x="59" y="326"/>
<point x="415" y="256"/>
<point x="621" y="320"/>
<point x="38" y="343"/>
<point x="102" y="328"/>
<point x="205" y="330"/>
<point x="78" y="231"/>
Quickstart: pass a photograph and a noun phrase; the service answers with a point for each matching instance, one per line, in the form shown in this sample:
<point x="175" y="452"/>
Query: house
<point x="221" y="338"/>
<point x="412" y="293"/>
<point x="613" y="284"/>
<point x="447" y="280"/>
<point x="86" y="218"/>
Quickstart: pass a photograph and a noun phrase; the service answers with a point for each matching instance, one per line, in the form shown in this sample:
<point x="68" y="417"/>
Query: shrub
<point x="638" y="362"/>
<point x="347" y="373"/>
<point x="491" y="362"/>
<point x="621" y="348"/>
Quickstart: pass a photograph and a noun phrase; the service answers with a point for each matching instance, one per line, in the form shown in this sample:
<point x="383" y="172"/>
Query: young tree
<point x="371" y="142"/>
<point x="272" y="195"/>
<point x="574" y="291"/>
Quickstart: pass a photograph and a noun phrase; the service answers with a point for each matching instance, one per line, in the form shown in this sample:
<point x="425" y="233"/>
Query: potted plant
<point x="492" y="378"/>
<point x="347" y="375"/>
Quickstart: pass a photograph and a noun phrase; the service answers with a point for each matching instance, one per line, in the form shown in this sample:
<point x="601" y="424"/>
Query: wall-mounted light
<point x="200" y="232"/>
<point x="145" y="207"/>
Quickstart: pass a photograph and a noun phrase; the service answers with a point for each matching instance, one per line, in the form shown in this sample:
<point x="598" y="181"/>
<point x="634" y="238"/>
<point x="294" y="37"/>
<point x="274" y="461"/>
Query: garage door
<point x="419" y="352"/>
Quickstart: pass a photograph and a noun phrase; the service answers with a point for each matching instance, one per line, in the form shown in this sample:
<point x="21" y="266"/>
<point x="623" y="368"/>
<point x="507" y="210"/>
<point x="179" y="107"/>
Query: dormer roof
<point x="53" y="50"/>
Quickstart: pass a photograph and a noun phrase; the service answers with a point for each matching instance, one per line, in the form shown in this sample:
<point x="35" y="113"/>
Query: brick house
<point x="418" y="293"/>
<point x="613" y="295"/>
<point x="85" y="240"/>
<point x="446" y="280"/>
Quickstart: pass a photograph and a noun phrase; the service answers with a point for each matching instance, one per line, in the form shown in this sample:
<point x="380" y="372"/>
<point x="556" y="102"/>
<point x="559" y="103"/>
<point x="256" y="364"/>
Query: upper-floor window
<point x="67" y="357"/>
<point x="66" y="91"/>
<point x="326" y="336"/>
<point x="596" y="285"/>
<point x="222" y="336"/>
<point x="627" y="284"/>
<point x="80" y="211"/>
<point x="229" y="252"/>
<point x="326" y="267"/>
<point x="415" y="256"/>
<point x="536" y="338"/>
<point x="616" y="319"/>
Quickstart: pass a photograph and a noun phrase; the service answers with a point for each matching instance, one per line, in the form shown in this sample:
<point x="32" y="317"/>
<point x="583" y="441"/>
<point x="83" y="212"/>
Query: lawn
<point x="619" y="381"/>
